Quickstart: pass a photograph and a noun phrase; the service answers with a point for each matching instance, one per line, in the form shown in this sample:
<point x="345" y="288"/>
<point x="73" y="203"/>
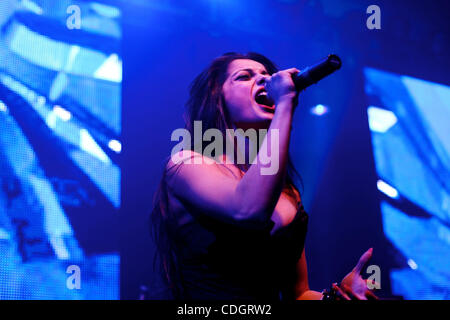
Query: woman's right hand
<point x="281" y="88"/>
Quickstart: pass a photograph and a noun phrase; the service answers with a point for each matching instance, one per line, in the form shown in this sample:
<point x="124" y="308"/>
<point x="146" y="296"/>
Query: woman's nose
<point x="262" y="79"/>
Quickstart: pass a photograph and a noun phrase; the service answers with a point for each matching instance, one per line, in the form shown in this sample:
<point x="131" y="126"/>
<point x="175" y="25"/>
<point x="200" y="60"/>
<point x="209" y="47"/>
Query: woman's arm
<point x="353" y="286"/>
<point x="251" y="200"/>
<point x="302" y="291"/>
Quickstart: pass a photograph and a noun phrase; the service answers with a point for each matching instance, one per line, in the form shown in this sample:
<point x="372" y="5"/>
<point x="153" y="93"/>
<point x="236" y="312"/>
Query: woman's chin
<point x="266" y="113"/>
<point x="264" y="120"/>
<point x="269" y="109"/>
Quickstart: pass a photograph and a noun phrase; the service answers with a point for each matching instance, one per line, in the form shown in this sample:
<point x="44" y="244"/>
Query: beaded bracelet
<point x="330" y="294"/>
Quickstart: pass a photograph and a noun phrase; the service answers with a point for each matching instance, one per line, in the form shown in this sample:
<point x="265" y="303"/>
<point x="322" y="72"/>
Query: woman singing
<point x="227" y="229"/>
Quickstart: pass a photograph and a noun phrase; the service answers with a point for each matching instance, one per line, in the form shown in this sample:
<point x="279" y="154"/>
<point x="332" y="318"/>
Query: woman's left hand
<point x="353" y="286"/>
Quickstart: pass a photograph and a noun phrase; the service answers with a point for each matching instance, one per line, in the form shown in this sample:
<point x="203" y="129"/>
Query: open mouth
<point x="263" y="100"/>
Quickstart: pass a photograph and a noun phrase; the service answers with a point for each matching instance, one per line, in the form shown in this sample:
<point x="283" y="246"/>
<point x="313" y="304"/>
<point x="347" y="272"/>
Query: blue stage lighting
<point x="319" y="110"/>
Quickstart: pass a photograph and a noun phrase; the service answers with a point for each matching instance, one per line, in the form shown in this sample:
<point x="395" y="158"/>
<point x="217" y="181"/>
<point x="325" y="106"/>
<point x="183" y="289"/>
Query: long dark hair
<point x="206" y="103"/>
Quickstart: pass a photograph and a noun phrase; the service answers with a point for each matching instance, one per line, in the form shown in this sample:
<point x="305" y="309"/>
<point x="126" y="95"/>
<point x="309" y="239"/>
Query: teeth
<point x="263" y="93"/>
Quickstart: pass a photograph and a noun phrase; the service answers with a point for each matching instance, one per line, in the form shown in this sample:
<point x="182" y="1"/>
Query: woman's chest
<point x="284" y="213"/>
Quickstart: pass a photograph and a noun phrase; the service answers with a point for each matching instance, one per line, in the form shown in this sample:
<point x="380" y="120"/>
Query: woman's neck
<point x="245" y="143"/>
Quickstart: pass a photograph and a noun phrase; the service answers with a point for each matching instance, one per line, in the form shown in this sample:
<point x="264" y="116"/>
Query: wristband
<point x="330" y="294"/>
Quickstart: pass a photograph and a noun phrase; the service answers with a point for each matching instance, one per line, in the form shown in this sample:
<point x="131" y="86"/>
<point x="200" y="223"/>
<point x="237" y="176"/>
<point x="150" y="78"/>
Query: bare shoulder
<point x="188" y="164"/>
<point x="194" y="159"/>
<point x="202" y="185"/>
<point x="182" y="157"/>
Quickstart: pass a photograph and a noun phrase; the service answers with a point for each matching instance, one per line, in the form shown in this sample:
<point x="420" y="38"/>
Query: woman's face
<point x="244" y="83"/>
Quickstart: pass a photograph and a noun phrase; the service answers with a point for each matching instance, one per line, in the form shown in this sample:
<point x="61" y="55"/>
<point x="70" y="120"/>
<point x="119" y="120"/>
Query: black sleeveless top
<point x="217" y="261"/>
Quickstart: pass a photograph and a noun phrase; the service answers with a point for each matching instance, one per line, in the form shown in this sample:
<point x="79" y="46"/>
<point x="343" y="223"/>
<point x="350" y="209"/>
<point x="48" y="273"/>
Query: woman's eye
<point x="244" y="76"/>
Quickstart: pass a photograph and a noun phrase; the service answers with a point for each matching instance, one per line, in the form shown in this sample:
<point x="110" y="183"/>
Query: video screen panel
<point x="60" y="124"/>
<point x="408" y="119"/>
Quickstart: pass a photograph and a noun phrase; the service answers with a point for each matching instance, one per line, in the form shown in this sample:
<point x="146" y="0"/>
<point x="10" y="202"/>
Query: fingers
<point x="360" y="297"/>
<point x="371" y="295"/>
<point x="280" y="85"/>
<point x="292" y="70"/>
<point x="352" y="294"/>
<point x="372" y="284"/>
<point x="349" y="294"/>
<point x="363" y="260"/>
<point x="348" y="291"/>
<point x="340" y="292"/>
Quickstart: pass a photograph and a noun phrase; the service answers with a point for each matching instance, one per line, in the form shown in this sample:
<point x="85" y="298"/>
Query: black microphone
<point x="317" y="72"/>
